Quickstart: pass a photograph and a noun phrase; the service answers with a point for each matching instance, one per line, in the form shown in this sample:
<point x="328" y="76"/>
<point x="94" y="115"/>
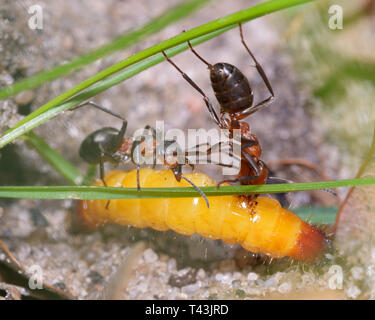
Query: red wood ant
<point x="110" y="145"/>
<point x="235" y="97"/>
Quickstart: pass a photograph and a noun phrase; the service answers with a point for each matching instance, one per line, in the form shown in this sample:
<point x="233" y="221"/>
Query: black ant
<point x="235" y="98"/>
<point x="110" y="145"/>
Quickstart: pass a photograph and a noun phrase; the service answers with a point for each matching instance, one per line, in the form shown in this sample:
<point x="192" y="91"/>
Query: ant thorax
<point x="126" y="146"/>
<point x="123" y="153"/>
<point x="245" y="128"/>
<point x="249" y="136"/>
<point x="170" y="160"/>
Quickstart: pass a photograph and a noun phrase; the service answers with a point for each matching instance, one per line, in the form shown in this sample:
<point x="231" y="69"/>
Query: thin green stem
<point x="176" y="13"/>
<point x="93" y="192"/>
<point x="99" y="87"/>
<point x="55" y="159"/>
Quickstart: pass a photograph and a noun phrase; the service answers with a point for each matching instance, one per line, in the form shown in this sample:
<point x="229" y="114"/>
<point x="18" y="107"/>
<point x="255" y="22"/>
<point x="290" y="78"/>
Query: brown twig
<point x="360" y="172"/>
<point x="14" y="273"/>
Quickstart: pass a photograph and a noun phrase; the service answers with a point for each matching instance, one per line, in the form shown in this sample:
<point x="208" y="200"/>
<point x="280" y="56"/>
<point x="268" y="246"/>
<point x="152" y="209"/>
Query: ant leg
<point x="239" y="179"/>
<point x="244" y="113"/>
<point x="211" y="150"/>
<point x="210" y="108"/>
<point x="216" y="147"/>
<point x="148" y="127"/>
<point x="134" y="145"/>
<point x="135" y="158"/>
<point x="95" y="105"/>
<point x="257" y="65"/>
<point x="122" y="131"/>
<point x="101" y="166"/>
<point x="254" y="166"/>
<point x="275" y="180"/>
<point x="220" y="164"/>
<point x="281" y="197"/>
<point x="138" y="179"/>
<point x="196" y="153"/>
<point x="248" y="142"/>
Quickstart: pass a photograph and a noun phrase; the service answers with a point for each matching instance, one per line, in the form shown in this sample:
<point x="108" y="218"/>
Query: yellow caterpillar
<point x="261" y="225"/>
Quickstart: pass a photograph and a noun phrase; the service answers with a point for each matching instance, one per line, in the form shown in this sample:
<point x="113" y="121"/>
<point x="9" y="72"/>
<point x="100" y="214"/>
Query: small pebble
<point x="150" y="256"/>
<point x="225" y="278"/>
<point x="179" y="281"/>
<point x="252" y="276"/>
<point x="373" y="254"/>
<point x="190" y="289"/>
<point x="201" y="274"/>
<point x="353" y="292"/>
<point x="38" y="219"/>
<point x="95" y="277"/>
<point x="6" y="79"/>
<point x="182" y="296"/>
<point x="237" y="275"/>
<point x="171" y="266"/>
<point x="357" y="273"/>
<point x="24" y="97"/>
<point x="227" y="265"/>
<point x="60" y="285"/>
<point x="285" y="287"/>
<point x="236" y="284"/>
<point x="219" y="277"/>
<point x="67" y="42"/>
<point x="240" y="293"/>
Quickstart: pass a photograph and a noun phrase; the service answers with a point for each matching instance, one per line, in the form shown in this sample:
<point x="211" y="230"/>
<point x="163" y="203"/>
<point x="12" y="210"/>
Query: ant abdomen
<point x="231" y="88"/>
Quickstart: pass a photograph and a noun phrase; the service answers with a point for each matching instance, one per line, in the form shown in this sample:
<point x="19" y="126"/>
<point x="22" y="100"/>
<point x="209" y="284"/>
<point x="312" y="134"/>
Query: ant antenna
<point x="197" y="188"/>
<point x="95" y="105"/>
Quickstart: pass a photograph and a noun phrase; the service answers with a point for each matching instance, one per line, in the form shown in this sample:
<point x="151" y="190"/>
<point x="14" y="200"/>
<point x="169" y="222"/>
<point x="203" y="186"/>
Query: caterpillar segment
<point x="260" y="225"/>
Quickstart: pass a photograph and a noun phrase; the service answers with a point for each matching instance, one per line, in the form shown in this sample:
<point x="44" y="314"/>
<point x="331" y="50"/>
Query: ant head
<point x="100" y="145"/>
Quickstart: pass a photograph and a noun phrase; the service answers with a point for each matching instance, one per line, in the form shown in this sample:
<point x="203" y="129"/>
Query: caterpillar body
<point x="260" y="225"/>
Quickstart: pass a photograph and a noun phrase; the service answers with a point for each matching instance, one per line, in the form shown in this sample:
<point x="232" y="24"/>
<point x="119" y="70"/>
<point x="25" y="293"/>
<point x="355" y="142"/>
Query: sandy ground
<point x="168" y="266"/>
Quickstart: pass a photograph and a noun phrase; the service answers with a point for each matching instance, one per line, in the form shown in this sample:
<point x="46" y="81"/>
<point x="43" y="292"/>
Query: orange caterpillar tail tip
<point x="311" y="244"/>
<point x="77" y="220"/>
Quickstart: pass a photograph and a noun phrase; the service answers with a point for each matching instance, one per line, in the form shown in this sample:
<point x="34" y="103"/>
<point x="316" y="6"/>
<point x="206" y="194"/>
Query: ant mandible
<point x="235" y="97"/>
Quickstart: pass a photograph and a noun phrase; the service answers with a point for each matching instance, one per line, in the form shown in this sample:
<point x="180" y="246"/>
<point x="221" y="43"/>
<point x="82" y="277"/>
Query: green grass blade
<point x="228" y="22"/>
<point x="90" y="175"/>
<point x="91" y="192"/>
<point x="317" y="215"/>
<point x="176" y="13"/>
<point x="100" y="87"/>
<point x="56" y="160"/>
